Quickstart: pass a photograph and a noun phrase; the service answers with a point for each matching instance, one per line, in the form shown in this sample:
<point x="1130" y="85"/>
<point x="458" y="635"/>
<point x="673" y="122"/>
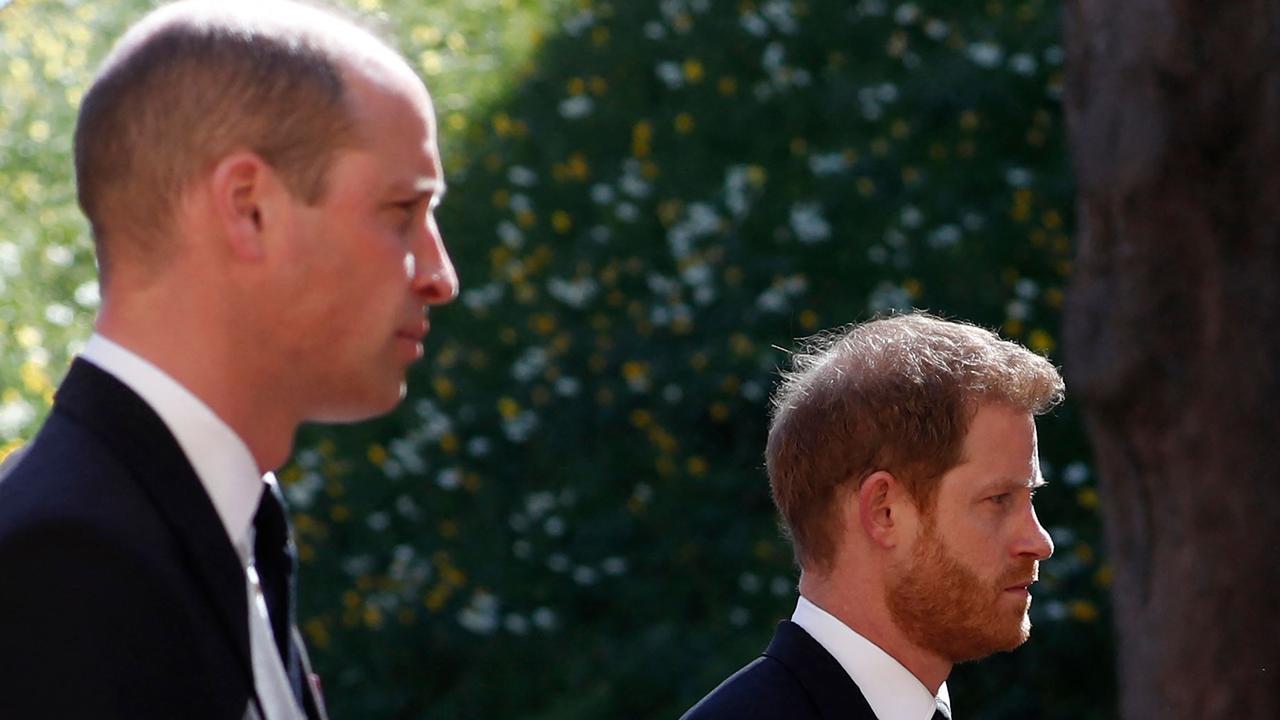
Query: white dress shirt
<point x="230" y="476"/>
<point x="890" y="689"/>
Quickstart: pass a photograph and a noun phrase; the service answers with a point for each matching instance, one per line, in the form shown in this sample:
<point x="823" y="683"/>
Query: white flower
<point x="754" y="24"/>
<point x="1075" y="474"/>
<point x="670" y="73"/>
<point x="481" y="614"/>
<point x="576" y="107"/>
<point x="521" y="176"/>
<point x="449" y="479"/>
<point x="1023" y="64"/>
<point x="510" y="235"/>
<point x="59" y="255"/>
<point x="516" y="624"/>
<point x="568" y="387"/>
<point x="574" y="293"/>
<point x="782" y="15"/>
<point x="626" y="212"/>
<point x="87" y="295"/>
<point x="554" y="526"/>
<point x="985" y="54"/>
<point x="59" y="314"/>
<point x="781" y="586"/>
<point x="601" y="194"/>
<point x="823" y="164"/>
<point x="1018" y="177"/>
<point x="906" y="14"/>
<point x="479" y="447"/>
<point x="576" y="23"/>
<point x="530" y="364"/>
<point x="808" y="223"/>
<point x="944" y="236"/>
<point x="544" y="618"/>
<point x="887" y="296"/>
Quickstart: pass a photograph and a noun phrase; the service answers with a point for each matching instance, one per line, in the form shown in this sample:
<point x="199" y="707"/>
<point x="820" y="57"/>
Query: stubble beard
<point x="947" y="609"/>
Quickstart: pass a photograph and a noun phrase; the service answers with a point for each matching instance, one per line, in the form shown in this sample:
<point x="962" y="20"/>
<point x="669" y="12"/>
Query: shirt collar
<point x="220" y="458"/>
<point x="890" y="689"/>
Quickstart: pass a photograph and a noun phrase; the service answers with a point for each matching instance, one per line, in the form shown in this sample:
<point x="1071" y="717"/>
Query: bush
<point x="650" y="202"/>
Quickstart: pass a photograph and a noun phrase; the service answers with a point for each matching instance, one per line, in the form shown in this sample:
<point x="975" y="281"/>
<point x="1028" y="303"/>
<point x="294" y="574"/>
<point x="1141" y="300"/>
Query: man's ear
<point x="880" y="508"/>
<point x="242" y="185"/>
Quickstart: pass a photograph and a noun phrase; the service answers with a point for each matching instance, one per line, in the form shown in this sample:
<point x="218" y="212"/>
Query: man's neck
<point x="859" y="604"/>
<point x="207" y="369"/>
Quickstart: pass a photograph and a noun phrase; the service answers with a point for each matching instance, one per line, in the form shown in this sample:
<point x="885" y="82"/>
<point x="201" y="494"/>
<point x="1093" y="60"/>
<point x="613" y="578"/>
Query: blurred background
<point x="650" y="202"/>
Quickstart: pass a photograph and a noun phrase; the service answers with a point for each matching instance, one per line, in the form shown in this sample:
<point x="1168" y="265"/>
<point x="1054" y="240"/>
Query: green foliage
<point x="569" y="518"/>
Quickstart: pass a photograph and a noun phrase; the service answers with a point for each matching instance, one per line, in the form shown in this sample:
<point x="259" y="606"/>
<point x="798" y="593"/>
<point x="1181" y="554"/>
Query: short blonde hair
<point x="897" y="394"/>
<point x="194" y="81"/>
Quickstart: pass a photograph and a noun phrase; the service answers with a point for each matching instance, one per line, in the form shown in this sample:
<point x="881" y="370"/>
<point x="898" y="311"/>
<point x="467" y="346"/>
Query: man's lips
<point x="1022" y="586"/>
<point x="415" y="332"/>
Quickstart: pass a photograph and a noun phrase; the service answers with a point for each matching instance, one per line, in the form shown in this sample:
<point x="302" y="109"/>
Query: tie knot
<point x="270" y="524"/>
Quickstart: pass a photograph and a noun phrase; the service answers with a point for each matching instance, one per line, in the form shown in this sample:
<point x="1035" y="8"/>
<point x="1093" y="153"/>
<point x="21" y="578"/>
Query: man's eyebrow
<point x="1008" y="484"/>
<point x="421" y="187"/>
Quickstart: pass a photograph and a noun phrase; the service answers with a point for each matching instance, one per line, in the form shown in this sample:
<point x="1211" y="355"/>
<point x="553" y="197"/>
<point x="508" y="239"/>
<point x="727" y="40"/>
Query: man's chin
<point x="369" y="405"/>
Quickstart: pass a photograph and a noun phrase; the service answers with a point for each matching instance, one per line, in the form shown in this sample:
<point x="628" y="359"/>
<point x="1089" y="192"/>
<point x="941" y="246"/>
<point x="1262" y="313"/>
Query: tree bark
<point x="1172" y="335"/>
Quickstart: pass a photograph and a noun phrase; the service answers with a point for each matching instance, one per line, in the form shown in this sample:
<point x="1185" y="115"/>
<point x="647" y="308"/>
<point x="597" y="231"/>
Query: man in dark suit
<point x="902" y="457"/>
<point x="261" y="179"/>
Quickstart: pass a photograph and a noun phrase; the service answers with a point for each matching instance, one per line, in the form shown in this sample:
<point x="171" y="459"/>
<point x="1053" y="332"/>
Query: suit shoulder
<point x="67" y="474"/>
<point x="763" y="690"/>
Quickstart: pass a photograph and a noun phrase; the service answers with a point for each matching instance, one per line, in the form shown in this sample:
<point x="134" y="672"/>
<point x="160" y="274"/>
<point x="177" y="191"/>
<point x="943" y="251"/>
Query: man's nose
<point x="1033" y="539"/>
<point x="430" y="269"/>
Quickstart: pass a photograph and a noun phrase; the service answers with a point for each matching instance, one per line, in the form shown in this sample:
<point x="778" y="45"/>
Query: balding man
<point x="902" y="457"/>
<point x="261" y="179"/>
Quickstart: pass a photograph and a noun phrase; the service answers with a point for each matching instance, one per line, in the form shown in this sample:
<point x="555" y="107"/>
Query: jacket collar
<point x="144" y="444"/>
<point x="828" y="685"/>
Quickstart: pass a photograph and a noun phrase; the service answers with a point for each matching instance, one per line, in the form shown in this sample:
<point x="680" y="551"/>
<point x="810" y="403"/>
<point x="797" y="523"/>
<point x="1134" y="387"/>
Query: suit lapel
<point x="834" y="693"/>
<point x="133" y="431"/>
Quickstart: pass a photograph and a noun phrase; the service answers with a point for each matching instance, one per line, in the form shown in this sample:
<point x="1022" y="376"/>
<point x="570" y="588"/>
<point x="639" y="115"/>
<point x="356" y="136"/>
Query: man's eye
<point x="1001" y="499"/>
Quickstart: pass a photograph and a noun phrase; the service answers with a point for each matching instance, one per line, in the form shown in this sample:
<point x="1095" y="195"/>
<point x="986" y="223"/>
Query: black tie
<point x="939" y="715"/>
<point x="276" y="563"/>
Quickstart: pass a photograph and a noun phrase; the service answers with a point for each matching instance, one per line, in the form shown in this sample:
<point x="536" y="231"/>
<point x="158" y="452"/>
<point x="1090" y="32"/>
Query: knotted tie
<point x="939" y="715"/>
<point x="276" y="563"/>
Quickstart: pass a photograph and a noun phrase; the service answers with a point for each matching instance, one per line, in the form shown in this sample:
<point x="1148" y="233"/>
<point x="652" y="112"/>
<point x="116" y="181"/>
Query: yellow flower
<point x="641" y="139"/>
<point x="696" y="466"/>
<point x="508" y="408"/>
<point x="443" y="387"/>
<point x="377" y="454"/>
<point x="719" y="411"/>
<point x="684" y="123"/>
<point x="1088" y="498"/>
<point x="561" y="222"/>
<point x="1084" y="611"/>
<point x="693" y="71"/>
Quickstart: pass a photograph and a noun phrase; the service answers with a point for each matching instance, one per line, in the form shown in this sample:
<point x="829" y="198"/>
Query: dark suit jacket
<point x="121" y="595"/>
<point x="795" y="679"/>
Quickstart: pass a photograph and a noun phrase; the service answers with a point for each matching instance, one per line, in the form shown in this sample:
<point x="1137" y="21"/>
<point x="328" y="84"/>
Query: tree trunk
<point x="1172" y="334"/>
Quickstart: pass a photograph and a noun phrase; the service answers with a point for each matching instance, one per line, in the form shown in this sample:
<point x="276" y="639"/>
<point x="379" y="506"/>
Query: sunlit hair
<point x="896" y="394"/>
<point x="195" y="81"/>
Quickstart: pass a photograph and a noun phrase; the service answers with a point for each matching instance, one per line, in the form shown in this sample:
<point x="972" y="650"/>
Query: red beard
<point x="946" y="608"/>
